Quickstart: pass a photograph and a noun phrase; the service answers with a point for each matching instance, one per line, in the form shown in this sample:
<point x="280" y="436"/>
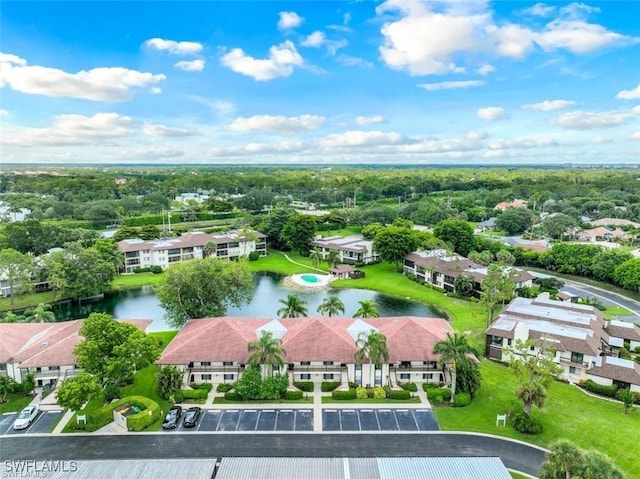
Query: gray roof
<point x="362" y="468"/>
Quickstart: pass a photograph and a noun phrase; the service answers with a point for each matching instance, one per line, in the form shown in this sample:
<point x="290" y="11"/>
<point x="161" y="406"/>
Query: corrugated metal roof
<point x="129" y="468"/>
<point x="362" y="468"/>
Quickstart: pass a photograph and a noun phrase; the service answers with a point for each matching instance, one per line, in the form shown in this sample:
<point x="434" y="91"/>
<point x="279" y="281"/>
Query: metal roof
<point x="362" y="468"/>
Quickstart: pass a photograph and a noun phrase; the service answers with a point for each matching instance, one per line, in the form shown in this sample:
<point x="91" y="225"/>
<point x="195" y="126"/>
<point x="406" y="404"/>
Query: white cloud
<point x="315" y="39"/>
<point x="349" y="61"/>
<point x="362" y="138"/>
<point x="485" y="69"/>
<point x="73" y="130"/>
<point x="577" y="36"/>
<point x="152" y="129"/>
<point x="585" y="120"/>
<point x="173" y="47"/>
<point x="346" y="18"/>
<point x="635" y="135"/>
<point x="111" y="84"/>
<point x="12" y="59"/>
<point x="538" y="10"/>
<point x="578" y="10"/>
<point x="549" y="105"/>
<point x="3" y="112"/>
<point x="512" y="41"/>
<point x="257" y="148"/>
<point x="289" y="20"/>
<point x="190" y="66"/>
<point x="224" y="107"/>
<point x="526" y="143"/>
<point x="491" y="113"/>
<point x="155" y="90"/>
<point x="277" y="123"/>
<point x="633" y="94"/>
<point x="450" y="85"/>
<point x="282" y="60"/>
<point x="156" y="153"/>
<point x="369" y="120"/>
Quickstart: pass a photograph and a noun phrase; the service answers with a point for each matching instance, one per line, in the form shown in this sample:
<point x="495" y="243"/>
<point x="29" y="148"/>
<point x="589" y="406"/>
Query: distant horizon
<point x="420" y="82"/>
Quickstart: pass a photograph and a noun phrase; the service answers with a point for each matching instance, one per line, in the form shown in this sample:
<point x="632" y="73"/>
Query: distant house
<point x="511" y="204"/>
<point x="345" y="271"/>
<point x="317" y="349"/>
<point x="601" y="233"/>
<point x="440" y="268"/>
<point x="163" y="252"/>
<point x="44" y="349"/>
<point x="489" y="224"/>
<point x="353" y="249"/>
<point x="614" y="222"/>
<point x="577" y="334"/>
<point x="185" y="198"/>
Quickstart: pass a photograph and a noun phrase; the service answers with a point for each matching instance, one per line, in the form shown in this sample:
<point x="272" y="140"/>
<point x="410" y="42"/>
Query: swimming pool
<point x="310" y="278"/>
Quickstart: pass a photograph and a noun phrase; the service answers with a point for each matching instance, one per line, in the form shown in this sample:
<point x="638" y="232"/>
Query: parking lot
<point x="43" y="423"/>
<point x="378" y="420"/>
<point x="253" y="420"/>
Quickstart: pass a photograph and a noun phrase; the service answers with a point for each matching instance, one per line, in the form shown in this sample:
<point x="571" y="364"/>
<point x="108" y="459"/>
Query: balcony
<point x="575" y="364"/>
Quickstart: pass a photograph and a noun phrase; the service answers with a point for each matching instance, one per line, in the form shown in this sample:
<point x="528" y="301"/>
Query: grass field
<point x="137" y="280"/>
<point x="569" y="413"/>
<point x="26" y="301"/>
<point x="15" y="402"/>
<point x="221" y="400"/>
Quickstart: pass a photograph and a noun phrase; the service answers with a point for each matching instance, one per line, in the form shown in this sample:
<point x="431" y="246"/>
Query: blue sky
<point x="395" y="82"/>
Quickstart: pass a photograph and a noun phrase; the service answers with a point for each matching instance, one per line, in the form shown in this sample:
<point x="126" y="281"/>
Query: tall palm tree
<point x="331" y="305"/>
<point x="367" y="309"/>
<point x="267" y="351"/>
<point x="40" y="314"/>
<point x="333" y="257"/>
<point x="119" y="261"/>
<point x="210" y="248"/>
<point x="315" y="256"/>
<point x="453" y="350"/>
<point x="293" y="307"/>
<point x="372" y="346"/>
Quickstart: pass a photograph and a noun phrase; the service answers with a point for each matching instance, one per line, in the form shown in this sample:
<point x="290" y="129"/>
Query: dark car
<point x="191" y="417"/>
<point x="172" y="419"/>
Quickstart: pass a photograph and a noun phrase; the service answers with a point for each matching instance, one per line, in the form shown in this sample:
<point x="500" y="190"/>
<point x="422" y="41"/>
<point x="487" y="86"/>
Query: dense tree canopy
<point x="457" y="233"/>
<point x="393" y="243"/>
<point x="298" y="232"/>
<point x="514" y="220"/>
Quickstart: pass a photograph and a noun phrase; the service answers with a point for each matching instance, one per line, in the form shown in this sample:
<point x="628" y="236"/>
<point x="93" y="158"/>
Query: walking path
<point x="303" y="265"/>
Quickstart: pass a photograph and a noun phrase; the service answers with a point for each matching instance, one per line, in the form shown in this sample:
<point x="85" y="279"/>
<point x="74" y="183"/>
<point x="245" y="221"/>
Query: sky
<point x="463" y="82"/>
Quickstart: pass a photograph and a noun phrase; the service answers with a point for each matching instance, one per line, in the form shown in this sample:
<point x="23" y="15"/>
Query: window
<point x="406" y="376"/>
<point x="229" y="377"/>
<point x="3" y="366"/>
<point x="509" y="342"/>
<point x="234" y="244"/>
<point x="305" y="363"/>
<point x="577" y="357"/>
<point x="54" y="368"/>
<point x="572" y="370"/>
<point x="305" y="377"/>
<point x="275" y="367"/>
<point x="378" y="377"/>
<point x="427" y="376"/>
<point x="327" y="377"/>
<point x="532" y="347"/>
<point x="358" y="375"/>
<point x="227" y="363"/>
<point x="206" y="377"/>
<point x="205" y="363"/>
<point x="328" y="363"/>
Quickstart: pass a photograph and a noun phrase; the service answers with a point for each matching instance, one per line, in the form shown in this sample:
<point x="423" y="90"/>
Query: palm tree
<point x="367" y="309"/>
<point x="331" y="305"/>
<point x="210" y="248"/>
<point x="40" y="314"/>
<point x="453" y="350"/>
<point x="333" y="257"/>
<point x="119" y="261"/>
<point x="315" y="256"/>
<point x="293" y="307"/>
<point x="267" y="351"/>
<point x="11" y="317"/>
<point x="372" y="346"/>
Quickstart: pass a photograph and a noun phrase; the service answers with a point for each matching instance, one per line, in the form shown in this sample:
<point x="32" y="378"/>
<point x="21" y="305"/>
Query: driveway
<point x="42" y="424"/>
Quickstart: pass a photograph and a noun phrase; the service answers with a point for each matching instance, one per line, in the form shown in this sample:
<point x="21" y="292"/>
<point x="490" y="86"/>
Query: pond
<point x="142" y="303"/>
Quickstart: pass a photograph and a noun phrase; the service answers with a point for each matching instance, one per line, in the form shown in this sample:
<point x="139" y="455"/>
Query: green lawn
<point x="612" y="311"/>
<point x="26" y="301"/>
<point x="277" y="263"/>
<point x="330" y="400"/>
<point x="591" y="423"/>
<point x="137" y="280"/>
<point x="15" y="402"/>
<point x="515" y="475"/>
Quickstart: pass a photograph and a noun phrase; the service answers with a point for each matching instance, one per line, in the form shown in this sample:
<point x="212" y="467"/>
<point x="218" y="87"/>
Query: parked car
<point x="26" y="417"/>
<point x="191" y="417"/>
<point x="172" y="418"/>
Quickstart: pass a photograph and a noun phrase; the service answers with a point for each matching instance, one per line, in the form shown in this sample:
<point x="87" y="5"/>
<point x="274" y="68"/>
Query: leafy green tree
<point x="393" y="243"/>
<point x="17" y="269"/>
<point x="371" y="230"/>
<point x="535" y="371"/>
<point x="497" y="287"/>
<point x="504" y="257"/>
<point x="40" y="314"/>
<point x="7" y="385"/>
<point x="333" y="258"/>
<point x="454" y="350"/>
<point x="331" y="306"/>
<point x="484" y="258"/>
<point x="74" y="392"/>
<point x="114" y="350"/>
<point x="464" y="284"/>
<point x="457" y="233"/>
<point x="372" y="347"/>
<point x="11" y="317"/>
<point x="514" y="220"/>
<point x="298" y="232"/>
<point x="367" y="309"/>
<point x="169" y="380"/>
<point x="606" y="261"/>
<point x="249" y="386"/>
<point x="273" y="225"/>
<point x="627" y="274"/>
<point x="203" y="288"/>
<point x="315" y="256"/>
<point x="570" y="258"/>
<point x="266" y="352"/>
<point x="292" y="307"/>
<point x="558" y="225"/>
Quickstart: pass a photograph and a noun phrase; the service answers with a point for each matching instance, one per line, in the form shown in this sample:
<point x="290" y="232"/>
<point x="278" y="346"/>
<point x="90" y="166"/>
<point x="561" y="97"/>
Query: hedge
<point x="427" y="386"/>
<point x="136" y="422"/>
<point x="526" y="424"/>
<point x="224" y="387"/>
<point x="306" y="386"/>
<point x="193" y="394"/>
<point x="329" y="386"/>
<point x="594" y="387"/>
<point x="344" y="395"/>
<point x="461" y="400"/>
<point x="206" y="386"/>
<point x="398" y="394"/>
<point x="444" y="393"/>
<point x="293" y="395"/>
<point x="412" y="387"/>
<point x="379" y="393"/>
<point x="361" y="393"/>
<point x="232" y="396"/>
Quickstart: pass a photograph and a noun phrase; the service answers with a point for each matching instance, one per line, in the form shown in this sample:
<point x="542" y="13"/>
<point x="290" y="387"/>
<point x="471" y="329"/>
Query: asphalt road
<point x="514" y="455"/>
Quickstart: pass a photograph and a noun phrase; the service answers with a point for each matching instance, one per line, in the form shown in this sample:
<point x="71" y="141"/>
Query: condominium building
<point x="353" y="249"/>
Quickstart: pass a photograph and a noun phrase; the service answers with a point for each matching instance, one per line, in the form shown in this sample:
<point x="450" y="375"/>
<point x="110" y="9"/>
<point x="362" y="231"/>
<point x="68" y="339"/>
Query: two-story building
<point x="163" y="252"/>
<point x="353" y="249"/>
<point x="317" y="349"/>
<point x="440" y="268"/>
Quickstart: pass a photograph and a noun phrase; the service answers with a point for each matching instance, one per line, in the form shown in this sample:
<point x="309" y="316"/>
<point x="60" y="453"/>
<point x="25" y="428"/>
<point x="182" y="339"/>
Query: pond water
<point x="142" y="303"/>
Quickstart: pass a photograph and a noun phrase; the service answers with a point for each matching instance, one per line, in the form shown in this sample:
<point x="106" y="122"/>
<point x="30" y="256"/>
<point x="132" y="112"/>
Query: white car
<point x="26" y="417"/>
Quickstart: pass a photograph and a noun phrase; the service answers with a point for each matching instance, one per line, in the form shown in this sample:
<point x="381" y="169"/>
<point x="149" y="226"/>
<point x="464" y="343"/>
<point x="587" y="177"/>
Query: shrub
<point x="111" y="392"/>
<point x="293" y="395"/>
<point x="206" y="386"/>
<point x="254" y="256"/>
<point x="155" y="269"/>
<point x="232" y="396"/>
<point x="224" y="387"/>
<point x="361" y="393"/>
<point x="594" y="387"/>
<point x="437" y="400"/>
<point x="379" y="393"/>
<point x="176" y="397"/>
<point x="412" y="387"/>
<point x="624" y="353"/>
<point x="444" y="393"/>
<point x="398" y="394"/>
<point x="344" y="395"/>
<point x="461" y="400"/>
<point x="427" y="386"/>
<point x="199" y="394"/>
<point x="526" y="424"/>
<point x="637" y="350"/>
<point x="353" y="385"/>
<point x="306" y="386"/>
<point x="136" y="422"/>
<point x="329" y="386"/>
